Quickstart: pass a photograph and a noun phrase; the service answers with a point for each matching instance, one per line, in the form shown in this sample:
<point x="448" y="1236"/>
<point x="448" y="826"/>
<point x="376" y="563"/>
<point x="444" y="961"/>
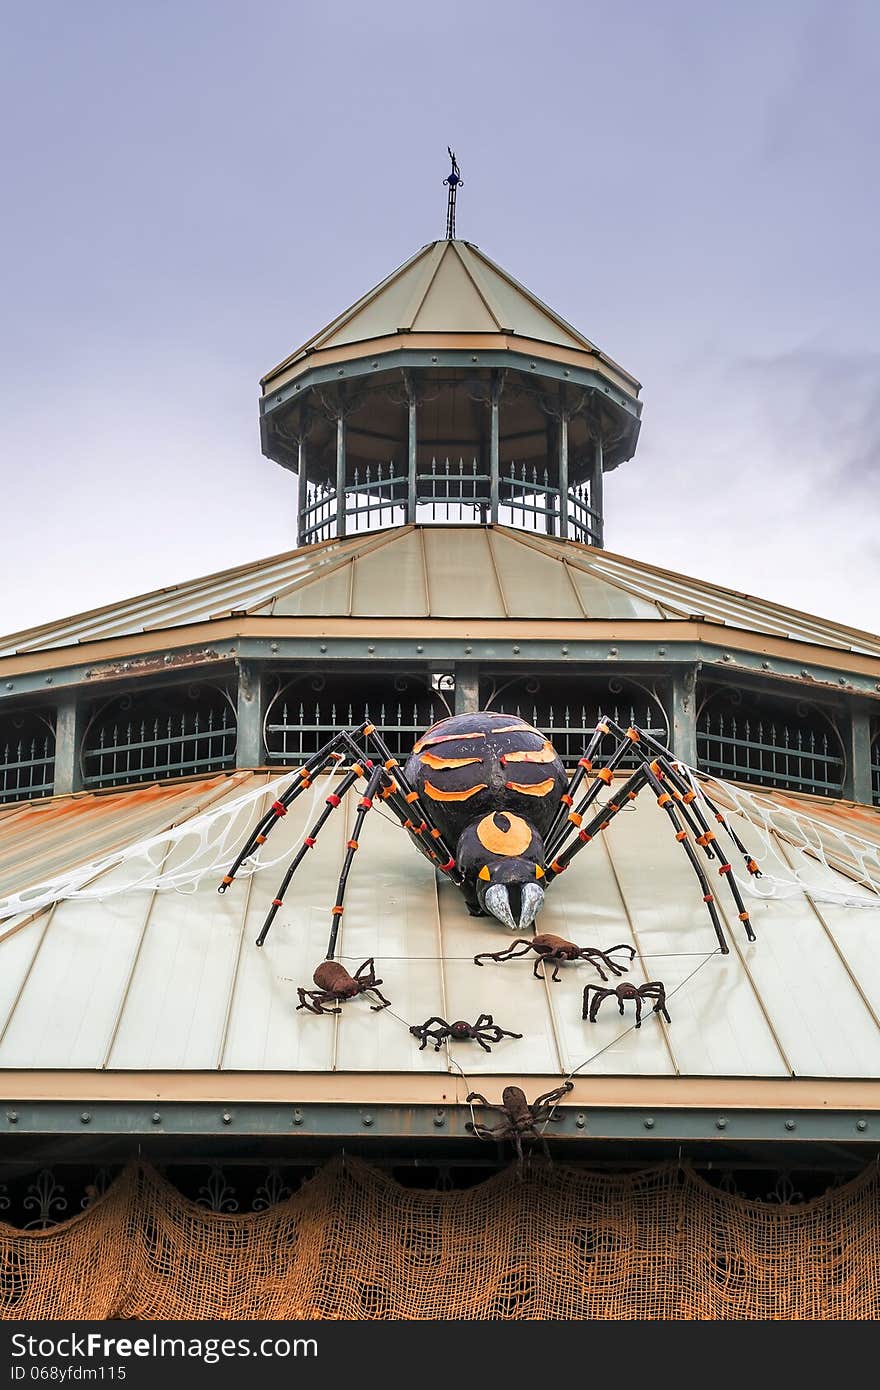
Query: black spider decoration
<point x="653" y="990"/>
<point x="556" y="949"/>
<point x="520" y="1118"/>
<point x="487" y="799"/>
<point x="484" y="1031"/>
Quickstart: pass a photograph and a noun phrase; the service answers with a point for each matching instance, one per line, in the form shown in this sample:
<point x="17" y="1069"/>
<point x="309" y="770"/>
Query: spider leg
<point x="594" y="955"/>
<point x="604" y="776"/>
<point x="483" y="1131"/>
<point x="364" y="805"/>
<point x="638" y="1009"/>
<point x="562" y="857"/>
<point x="657" y="991"/>
<point x="509" y="953"/>
<point x="665" y="767"/>
<point x="552" y="1097"/>
<point x="666" y="801"/>
<point x="314" y="1000"/>
<point x="705" y="836"/>
<point x="407" y="798"/>
<point x="600" y="994"/>
<point x="330" y="804"/>
<point x="584" y="766"/>
<point x="425" y="1031"/>
<point x="314" y="766"/>
<point x="657" y="747"/>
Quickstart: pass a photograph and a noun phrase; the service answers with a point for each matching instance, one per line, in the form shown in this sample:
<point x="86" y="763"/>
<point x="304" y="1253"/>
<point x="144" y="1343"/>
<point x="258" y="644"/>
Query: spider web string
<point x="208" y="844"/>
<point x="813" y="841"/>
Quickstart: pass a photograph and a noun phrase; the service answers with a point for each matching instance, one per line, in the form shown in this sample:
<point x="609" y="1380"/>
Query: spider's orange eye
<point x="484" y="873"/>
<point x="503" y="833"/>
<point x="539" y="872"/>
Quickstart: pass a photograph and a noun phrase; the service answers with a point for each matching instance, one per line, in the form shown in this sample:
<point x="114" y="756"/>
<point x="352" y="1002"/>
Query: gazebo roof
<point x="435" y="573"/>
<point x="446" y="288"/>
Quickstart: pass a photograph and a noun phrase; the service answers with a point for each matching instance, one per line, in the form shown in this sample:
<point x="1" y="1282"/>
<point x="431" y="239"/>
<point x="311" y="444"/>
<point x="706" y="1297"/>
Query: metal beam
<point x="208" y="646"/>
<point x="69" y="721"/>
<point x="249" y="712"/>
<point x="857" y="743"/>
<point x="22" y="1120"/>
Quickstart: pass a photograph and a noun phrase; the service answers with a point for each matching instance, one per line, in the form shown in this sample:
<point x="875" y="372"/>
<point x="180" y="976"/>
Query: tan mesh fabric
<point x="546" y="1243"/>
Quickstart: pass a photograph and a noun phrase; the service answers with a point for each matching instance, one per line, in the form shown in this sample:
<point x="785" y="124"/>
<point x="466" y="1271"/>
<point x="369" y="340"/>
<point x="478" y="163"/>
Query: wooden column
<point x="69" y="725"/>
<point x="683" y="715"/>
<point x="857" y="741"/>
<point x="494" y="447"/>
<point x="249" y="716"/>
<point x="597" y="491"/>
<point x="563" y="476"/>
<point x="340" y="465"/>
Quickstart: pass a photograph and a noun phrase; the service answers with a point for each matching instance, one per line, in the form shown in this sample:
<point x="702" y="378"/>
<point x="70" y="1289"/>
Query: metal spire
<point x="453" y="181"/>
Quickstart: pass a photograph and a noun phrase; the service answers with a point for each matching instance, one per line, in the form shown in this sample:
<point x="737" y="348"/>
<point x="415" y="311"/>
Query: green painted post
<point x="494" y="448"/>
<point x="340" y="465"/>
<point x="467" y="690"/>
<point x="597" y="494"/>
<point x="857" y="742"/>
<point x="301" y="487"/>
<point x="563" y="476"/>
<point x="411" y="450"/>
<point x="69" y="725"/>
<point x="249" y="714"/>
<point x="683" y="715"/>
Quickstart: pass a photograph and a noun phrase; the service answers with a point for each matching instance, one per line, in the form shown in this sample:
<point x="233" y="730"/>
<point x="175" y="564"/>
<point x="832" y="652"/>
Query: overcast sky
<point x="190" y="189"/>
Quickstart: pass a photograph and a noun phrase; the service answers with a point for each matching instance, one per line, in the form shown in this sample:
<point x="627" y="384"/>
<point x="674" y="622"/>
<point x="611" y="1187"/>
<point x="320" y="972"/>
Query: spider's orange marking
<point x="516" y="729"/>
<point x="436" y="794"/>
<point x="538" y="789"/>
<point x="432" y="760"/>
<point x="509" y="841"/>
<point x="442" y="738"/>
<point x="544" y="755"/>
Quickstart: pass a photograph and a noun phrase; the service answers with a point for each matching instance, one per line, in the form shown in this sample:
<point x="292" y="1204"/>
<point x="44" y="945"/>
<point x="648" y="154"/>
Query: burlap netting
<point x="546" y="1243"/>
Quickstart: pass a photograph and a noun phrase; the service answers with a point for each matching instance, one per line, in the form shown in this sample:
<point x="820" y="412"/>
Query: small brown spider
<point x="557" y="949"/>
<point x="652" y="990"/>
<point x="484" y="1030"/>
<point x="335" y="984"/>
<point x="520" y="1118"/>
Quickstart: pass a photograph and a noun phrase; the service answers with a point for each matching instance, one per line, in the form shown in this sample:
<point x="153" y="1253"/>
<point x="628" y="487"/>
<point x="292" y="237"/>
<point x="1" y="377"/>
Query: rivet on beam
<point x="227" y="1118"/>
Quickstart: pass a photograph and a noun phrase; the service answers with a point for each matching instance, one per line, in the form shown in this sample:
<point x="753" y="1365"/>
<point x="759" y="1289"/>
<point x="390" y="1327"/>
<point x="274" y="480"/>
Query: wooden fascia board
<point x="229" y="1087"/>
<point x="466" y="342"/>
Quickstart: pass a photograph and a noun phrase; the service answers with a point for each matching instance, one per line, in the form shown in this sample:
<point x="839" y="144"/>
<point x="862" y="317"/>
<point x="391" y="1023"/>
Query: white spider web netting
<point x="797" y="851"/>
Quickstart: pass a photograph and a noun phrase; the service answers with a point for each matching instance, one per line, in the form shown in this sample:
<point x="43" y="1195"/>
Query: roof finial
<point x="453" y="181"/>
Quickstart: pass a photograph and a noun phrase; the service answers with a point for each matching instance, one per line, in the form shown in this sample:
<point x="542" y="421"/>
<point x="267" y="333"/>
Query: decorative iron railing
<point x="766" y="748"/>
<point x="317" y="520"/>
<point x="569" y="728"/>
<point x="584" y="523"/>
<point x="875" y="768"/>
<point x="376" y="498"/>
<point x="301" y="727"/>
<point x="126" y="744"/>
<point x="448" y="490"/>
<point x="27" y="758"/>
